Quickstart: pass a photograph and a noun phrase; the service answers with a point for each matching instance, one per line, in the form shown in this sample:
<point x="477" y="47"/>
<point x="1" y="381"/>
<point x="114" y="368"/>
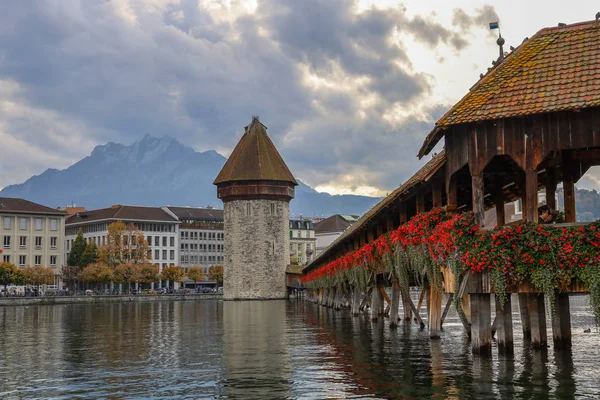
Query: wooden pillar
<point x="499" y="201"/>
<point x="356" y="302"/>
<point x="561" y="322"/>
<point x="537" y="316"/>
<point x="389" y="223"/>
<point x="437" y="194"/>
<point x="435" y="312"/>
<point x="551" y="188"/>
<point x="466" y="306"/>
<point x="403" y="216"/>
<point x="481" y="324"/>
<point x="478" y="205"/>
<point x="569" y="192"/>
<point x="525" y="320"/>
<point x="406" y="307"/>
<point x="451" y="195"/>
<point x="531" y="193"/>
<point x="395" y="303"/>
<point x="420" y="202"/>
<point x="337" y="304"/>
<point x="504" y="327"/>
<point x="376" y="303"/>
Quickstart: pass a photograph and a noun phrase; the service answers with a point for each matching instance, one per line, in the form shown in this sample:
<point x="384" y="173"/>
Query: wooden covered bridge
<point x="529" y="124"/>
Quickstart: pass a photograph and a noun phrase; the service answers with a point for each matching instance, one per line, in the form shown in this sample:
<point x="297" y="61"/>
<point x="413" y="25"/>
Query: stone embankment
<point x="46" y="300"/>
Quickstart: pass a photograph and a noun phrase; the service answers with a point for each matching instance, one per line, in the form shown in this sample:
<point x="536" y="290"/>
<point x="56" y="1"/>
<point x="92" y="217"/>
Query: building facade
<point x="159" y="226"/>
<point x="201" y="237"/>
<point x="302" y="242"/>
<point x="256" y="187"/>
<point x="329" y="229"/>
<point x="32" y="234"/>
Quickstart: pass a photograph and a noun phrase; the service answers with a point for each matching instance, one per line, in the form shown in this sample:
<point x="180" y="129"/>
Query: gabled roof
<point x="14" y="205"/>
<point x="122" y="213"/>
<point x="557" y="69"/>
<point x="335" y="223"/>
<point x="197" y="214"/>
<point x="255" y="158"/>
<point x="421" y="176"/>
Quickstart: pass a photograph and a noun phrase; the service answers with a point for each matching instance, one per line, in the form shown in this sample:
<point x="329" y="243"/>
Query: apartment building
<point x="158" y="224"/>
<point x="302" y="241"/>
<point x="329" y="229"/>
<point x="32" y="234"/>
<point x="201" y="236"/>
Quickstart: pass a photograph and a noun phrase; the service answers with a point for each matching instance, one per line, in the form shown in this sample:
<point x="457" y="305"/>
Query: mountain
<point x="587" y="204"/>
<point x="157" y="172"/>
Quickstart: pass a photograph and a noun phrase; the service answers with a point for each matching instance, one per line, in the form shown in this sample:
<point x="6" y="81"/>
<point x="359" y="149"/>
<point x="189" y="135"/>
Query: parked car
<point x="89" y="292"/>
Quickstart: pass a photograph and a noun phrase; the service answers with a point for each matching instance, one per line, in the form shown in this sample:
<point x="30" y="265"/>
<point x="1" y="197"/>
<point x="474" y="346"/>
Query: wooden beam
<point x="481" y="327"/>
<point x="569" y="193"/>
<point x="504" y="326"/>
<point x="451" y="195"/>
<point x="389" y="223"/>
<point x="446" y="309"/>
<point x="437" y="194"/>
<point x="395" y="303"/>
<point x="551" y="188"/>
<point x="414" y="310"/>
<point x="356" y="302"/>
<point x="385" y="295"/>
<point x="524" y="310"/>
<point x="478" y="203"/>
<point x="499" y="201"/>
<point x="420" y="201"/>
<point x="561" y="322"/>
<point x="531" y="193"/>
<point x="403" y="216"/>
<point x="434" y="318"/>
<point x="537" y="316"/>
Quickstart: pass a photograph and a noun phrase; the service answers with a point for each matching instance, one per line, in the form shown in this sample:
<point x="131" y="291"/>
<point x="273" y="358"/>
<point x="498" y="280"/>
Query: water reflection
<point x="275" y="349"/>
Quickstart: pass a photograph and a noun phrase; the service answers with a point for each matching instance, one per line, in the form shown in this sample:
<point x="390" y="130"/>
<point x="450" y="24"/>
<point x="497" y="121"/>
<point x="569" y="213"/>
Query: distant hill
<point x="156" y="172"/>
<point x="587" y="204"/>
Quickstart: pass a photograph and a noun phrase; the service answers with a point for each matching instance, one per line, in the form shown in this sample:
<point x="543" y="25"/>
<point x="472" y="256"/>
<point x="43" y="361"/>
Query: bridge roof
<point x="421" y="176"/>
<point x="557" y="69"/>
<point x="255" y="158"/>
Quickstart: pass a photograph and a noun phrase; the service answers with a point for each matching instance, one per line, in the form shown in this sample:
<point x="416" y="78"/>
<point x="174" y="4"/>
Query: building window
<point x="38" y="260"/>
<point x="53" y="241"/>
<point x="156" y="254"/>
<point x="6" y="258"/>
<point x="164" y="241"/>
<point x="164" y="255"/>
<point x="23" y="241"/>
<point x="38" y="242"/>
<point x="22" y="261"/>
<point x="6" y="222"/>
<point x="53" y="224"/>
<point x="182" y="234"/>
<point x="23" y="223"/>
<point x="172" y="241"/>
<point x="149" y="240"/>
<point x="157" y="240"/>
<point x="53" y="261"/>
<point x="172" y="255"/>
<point x="6" y="242"/>
<point x="38" y="224"/>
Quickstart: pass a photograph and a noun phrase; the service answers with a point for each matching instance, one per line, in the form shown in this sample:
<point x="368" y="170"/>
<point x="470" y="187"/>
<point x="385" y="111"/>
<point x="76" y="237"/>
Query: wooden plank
<point x="551" y="188"/>
<point x="437" y="194"/>
<point x="451" y="194"/>
<point x="531" y="193"/>
<point x="478" y="203"/>
<point x="385" y="295"/>
<point x="421" y="297"/>
<point x="420" y="202"/>
<point x="389" y="223"/>
<point x="403" y="217"/>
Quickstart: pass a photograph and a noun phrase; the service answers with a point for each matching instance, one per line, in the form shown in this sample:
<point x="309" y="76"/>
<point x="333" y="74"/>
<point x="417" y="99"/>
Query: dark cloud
<point x="481" y="19"/>
<point x="94" y="71"/>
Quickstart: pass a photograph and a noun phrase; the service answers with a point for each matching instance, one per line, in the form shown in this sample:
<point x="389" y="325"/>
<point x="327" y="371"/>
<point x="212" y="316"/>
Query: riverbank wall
<point x="50" y="300"/>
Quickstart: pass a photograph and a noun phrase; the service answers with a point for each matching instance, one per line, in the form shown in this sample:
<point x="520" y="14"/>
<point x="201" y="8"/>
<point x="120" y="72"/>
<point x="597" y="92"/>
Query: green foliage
<point x="77" y="251"/>
<point x="9" y="273"/>
<point x="90" y="255"/>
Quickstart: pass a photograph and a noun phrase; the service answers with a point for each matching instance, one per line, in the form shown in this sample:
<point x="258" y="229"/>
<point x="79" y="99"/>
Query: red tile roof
<point x="10" y="204"/>
<point x="255" y="158"/>
<point x="557" y="69"/>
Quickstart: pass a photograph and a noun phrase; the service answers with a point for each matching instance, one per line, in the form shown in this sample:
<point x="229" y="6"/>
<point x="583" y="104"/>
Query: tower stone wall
<point x="257" y="249"/>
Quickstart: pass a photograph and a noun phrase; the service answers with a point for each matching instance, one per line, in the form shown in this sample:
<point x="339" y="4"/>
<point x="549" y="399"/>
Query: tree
<point x="125" y="243"/>
<point x="9" y="273"/>
<point x="77" y="250"/>
<point x="69" y="276"/>
<point x="126" y="273"/>
<point x="39" y="275"/>
<point x="195" y="273"/>
<point x="215" y="273"/>
<point x="96" y="273"/>
<point x="90" y="255"/>
<point x="173" y="274"/>
<point x="147" y="273"/>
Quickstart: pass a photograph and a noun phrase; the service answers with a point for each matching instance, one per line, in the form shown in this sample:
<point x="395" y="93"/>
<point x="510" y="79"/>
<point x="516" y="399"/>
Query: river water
<point x="271" y="350"/>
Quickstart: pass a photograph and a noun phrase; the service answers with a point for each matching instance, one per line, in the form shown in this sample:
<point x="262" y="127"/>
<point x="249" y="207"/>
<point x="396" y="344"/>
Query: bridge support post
<point x="395" y="303"/>
<point x="537" y="316"/>
<point x="561" y="322"/>
<point x="481" y="324"/>
<point x="356" y="301"/>
<point x="376" y="301"/>
<point x="434" y="317"/>
<point x="504" y="326"/>
<point x="525" y="320"/>
<point x="338" y="299"/>
<point x="406" y="307"/>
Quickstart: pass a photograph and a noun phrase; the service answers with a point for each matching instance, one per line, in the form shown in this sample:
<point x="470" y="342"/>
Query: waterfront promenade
<point x="96" y="299"/>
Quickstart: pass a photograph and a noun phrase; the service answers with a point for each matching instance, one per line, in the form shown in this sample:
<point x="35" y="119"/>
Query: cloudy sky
<point x="348" y="89"/>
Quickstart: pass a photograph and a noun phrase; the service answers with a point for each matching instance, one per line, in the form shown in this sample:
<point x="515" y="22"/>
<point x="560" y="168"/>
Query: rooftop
<point x="197" y="214"/>
<point x="335" y="223"/>
<point x="557" y="69"/>
<point x="122" y="213"/>
<point x="10" y="204"/>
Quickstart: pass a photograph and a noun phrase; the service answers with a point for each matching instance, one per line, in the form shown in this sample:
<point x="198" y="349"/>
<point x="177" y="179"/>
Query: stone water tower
<point x="256" y="187"/>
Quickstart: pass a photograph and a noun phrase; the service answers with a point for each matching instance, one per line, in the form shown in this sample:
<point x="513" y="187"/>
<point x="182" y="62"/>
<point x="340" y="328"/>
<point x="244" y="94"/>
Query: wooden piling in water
<point x="525" y="320"/>
<point x="504" y="327"/>
<point x="356" y="302"/>
<point x="561" y="322"/>
<point x="406" y="308"/>
<point x="537" y="318"/>
<point x="481" y="324"/>
<point x="435" y="312"/>
<point x="395" y="304"/>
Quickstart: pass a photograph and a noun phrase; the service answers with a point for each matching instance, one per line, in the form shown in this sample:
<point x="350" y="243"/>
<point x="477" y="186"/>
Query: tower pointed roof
<point x="255" y="158"/>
